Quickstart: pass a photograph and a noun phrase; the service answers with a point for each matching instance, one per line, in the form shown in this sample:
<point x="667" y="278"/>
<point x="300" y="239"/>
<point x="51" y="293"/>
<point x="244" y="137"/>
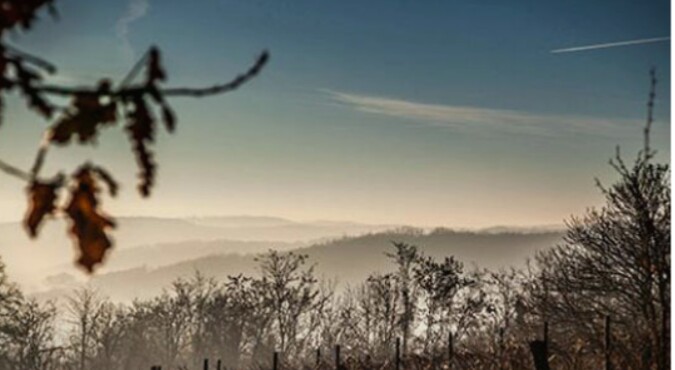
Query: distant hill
<point x="241" y="221"/>
<point x="349" y="259"/>
<point x="162" y="240"/>
<point x="163" y="254"/>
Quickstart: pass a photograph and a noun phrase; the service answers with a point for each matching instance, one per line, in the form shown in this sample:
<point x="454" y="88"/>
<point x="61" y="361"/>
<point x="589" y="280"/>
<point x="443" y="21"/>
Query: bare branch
<point x="41" y="154"/>
<point x="14" y="171"/>
<point x="223" y="88"/>
<point x="134" y="70"/>
<point x="30" y="58"/>
<point x="176" y="91"/>
<point x="650" y="110"/>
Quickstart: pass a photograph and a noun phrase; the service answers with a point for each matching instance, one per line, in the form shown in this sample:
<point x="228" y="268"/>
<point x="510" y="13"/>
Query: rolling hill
<point x="347" y="259"/>
<point x="153" y="242"/>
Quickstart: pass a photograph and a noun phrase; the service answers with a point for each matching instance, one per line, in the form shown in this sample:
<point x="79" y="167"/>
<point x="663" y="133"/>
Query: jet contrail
<point x="610" y="45"/>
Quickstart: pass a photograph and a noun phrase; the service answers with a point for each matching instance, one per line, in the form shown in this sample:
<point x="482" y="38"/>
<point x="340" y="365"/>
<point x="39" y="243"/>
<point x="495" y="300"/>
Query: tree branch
<point x="14" y="171"/>
<point x="134" y="71"/>
<point x="30" y="58"/>
<point x="650" y="110"/>
<point x="223" y="88"/>
<point x="243" y="78"/>
<point x="41" y="153"/>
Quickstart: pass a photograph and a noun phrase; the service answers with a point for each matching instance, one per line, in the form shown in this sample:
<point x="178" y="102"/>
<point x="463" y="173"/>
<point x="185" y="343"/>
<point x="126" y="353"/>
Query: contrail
<point x="136" y="10"/>
<point x="610" y="45"/>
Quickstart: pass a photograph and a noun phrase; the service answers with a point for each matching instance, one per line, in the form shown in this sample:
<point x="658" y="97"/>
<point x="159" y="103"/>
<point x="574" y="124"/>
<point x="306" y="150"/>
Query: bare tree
<point x="616" y="261"/>
<point x="405" y="256"/>
<point x="28" y="338"/>
<point x="441" y="284"/>
<point x="291" y="290"/>
<point x="85" y="310"/>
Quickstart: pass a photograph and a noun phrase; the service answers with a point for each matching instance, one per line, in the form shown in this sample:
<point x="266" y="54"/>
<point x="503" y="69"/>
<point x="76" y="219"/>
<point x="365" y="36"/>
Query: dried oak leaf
<point x="168" y="118"/>
<point x="105" y="176"/>
<point x="88" y="113"/>
<point x="141" y="130"/>
<point x="43" y="196"/>
<point x="88" y="225"/>
<point x="155" y="71"/>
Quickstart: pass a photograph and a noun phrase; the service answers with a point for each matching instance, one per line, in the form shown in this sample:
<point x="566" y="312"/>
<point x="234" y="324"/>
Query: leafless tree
<point x="405" y="257"/>
<point x="616" y="261"/>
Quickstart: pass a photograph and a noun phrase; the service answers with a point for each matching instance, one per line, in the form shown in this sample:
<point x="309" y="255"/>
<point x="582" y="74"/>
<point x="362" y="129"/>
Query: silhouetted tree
<point x="291" y="291"/>
<point x="616" y="261"/>
<point x="26" y="338"/>
<point x="440" y="283"/>
<point x="86" y="312"/>
<point x="405" y="257"/>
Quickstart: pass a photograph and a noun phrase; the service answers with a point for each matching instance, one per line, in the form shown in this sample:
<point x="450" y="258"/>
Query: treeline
<point x="614" y="262"/>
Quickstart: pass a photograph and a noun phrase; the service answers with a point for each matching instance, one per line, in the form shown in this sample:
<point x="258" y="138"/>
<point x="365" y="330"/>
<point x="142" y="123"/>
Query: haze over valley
<point x="150" y="253"/>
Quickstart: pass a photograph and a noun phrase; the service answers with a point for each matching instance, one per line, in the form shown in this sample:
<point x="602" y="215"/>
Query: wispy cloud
<point x="610" y="45"/>
<point x="475" y="119"/>
<point x="136" y="10"/>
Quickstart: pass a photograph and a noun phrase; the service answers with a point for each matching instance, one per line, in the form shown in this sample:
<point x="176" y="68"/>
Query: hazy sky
<point x="420" y="112"/>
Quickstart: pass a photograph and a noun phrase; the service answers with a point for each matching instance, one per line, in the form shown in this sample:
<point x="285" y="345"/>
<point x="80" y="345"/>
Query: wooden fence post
<point x="337" y="357"/>
<point x="539" y="349"/>
<point x="318" y="357"/>
<point x="275" y="360"/>
<point x="501" y="348"/>
<point x="398" y="353"/>
<point x="451" y="350"/>
<point x="608" y="343"/>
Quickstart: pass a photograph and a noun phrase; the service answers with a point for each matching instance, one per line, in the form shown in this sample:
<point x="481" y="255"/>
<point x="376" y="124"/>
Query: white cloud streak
<point x="474" y="119"/>
<point x="136" y="10"/>
<point x="610" y="45"/>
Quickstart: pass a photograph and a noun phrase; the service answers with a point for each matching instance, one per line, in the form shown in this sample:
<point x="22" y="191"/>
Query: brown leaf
<point x="43" y="196"/>
<point x="169" y="118"/>
<point x="88" y="113"/>
<point x="155" y="71"/>
<point x="141" y="130"/>
<point x="88" y="225"/>
<point x="105" y="176"/>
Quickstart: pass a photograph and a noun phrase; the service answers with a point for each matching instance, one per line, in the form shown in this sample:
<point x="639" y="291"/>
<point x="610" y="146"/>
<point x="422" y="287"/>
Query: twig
<point x="650" y="109"/>
<point x="134" y="71"/>
<point x="177" y="91"/>
<point x="50" y="68"/>
<point x="41" y="153"/>
<point x="13" y="171"/>
<point x="218" y="89"/>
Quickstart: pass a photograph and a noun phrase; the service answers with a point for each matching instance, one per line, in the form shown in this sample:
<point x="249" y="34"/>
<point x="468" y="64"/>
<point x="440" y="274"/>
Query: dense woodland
<point x="614" y="263"/>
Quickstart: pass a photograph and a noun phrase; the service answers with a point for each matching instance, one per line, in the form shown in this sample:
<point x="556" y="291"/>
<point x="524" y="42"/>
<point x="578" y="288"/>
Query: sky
<point x="453" y="113"/>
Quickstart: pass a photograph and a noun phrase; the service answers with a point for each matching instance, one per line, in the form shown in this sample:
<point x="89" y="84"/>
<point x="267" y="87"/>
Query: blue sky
<point x="420" y="112"/>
